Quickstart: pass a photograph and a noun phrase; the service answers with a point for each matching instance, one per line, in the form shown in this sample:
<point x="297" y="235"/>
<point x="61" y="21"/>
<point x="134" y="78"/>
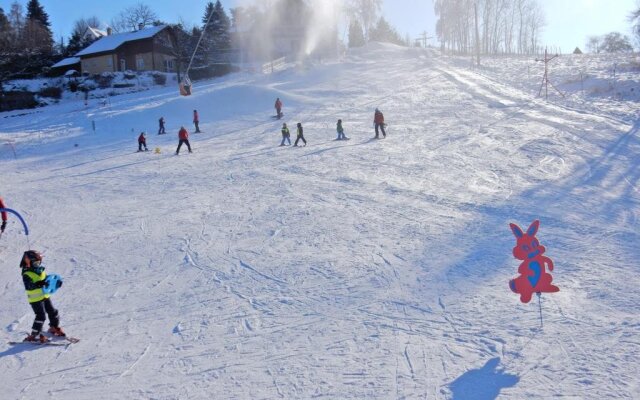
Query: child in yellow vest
<point x="34" y="279"/>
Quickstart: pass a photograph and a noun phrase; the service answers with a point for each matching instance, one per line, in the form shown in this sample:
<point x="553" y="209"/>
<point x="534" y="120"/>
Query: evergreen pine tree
<point x="75" y="44"/>
<point x="221" y="25"/>
<point x="203" y="53"/>
<point x="37" y="32"/>
<point x="217" y="38"/>
<point x="356" y="34"/>
<point x="199" y="59"/>
<point x="5" y="32"/>
<point x="36" y="12"/>
<point x="384" y="32"/>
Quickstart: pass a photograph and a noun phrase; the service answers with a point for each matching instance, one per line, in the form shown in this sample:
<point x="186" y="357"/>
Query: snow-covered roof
<point x="112" y="42"/>
<point x="66" y="62"/>
<point x="95" y="32"/>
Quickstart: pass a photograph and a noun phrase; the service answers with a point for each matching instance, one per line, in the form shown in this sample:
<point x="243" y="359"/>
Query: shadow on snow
<point x="484" y="383"/>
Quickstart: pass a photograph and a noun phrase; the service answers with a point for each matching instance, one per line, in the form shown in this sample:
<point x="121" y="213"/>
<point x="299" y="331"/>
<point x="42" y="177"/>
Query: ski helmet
<point x="31" y="259"/>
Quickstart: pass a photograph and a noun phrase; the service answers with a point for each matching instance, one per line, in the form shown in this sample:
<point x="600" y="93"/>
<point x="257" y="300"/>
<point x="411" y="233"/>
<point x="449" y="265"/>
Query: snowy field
<point x="360" y="269"/>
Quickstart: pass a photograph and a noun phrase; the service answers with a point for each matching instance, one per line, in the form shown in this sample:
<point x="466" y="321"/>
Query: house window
<point x="139" y="63"/>
<point x="168" y="65"/>
<point x="110" y="63"/>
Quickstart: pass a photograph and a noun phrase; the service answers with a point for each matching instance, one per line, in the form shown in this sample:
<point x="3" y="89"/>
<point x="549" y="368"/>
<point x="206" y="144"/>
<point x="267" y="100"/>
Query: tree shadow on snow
<point x="484" y="383"/>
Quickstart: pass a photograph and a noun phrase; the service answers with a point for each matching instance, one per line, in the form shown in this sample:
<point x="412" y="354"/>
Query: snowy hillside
<point x="360" y="269"/>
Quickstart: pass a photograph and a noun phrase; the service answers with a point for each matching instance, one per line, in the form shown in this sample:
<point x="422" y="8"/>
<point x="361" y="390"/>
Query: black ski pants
<point x="185" y="141"/>
<point x="380" y="126"/>
<point x="300" y="137"/>
<point x="40" y="308"/>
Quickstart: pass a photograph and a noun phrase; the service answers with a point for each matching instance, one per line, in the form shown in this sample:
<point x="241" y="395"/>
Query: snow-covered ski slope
<point x="360" y="269"/>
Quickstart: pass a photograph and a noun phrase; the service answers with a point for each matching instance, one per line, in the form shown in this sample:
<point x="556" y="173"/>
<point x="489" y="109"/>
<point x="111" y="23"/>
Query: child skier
<point x="183" y="136"/>
<point x="300" y="135"/>
<point x="340" y="131"/>
<point x="196" y="120"/>
<point x="34" y="279"/>
<point x="285" y="135"/>
<point x="278" y="107"/>
<point x="161" y="130"/>
<point x="142" y="141"/>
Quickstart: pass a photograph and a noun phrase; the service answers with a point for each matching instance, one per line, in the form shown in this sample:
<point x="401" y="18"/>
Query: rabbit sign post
<point x="534" y="277"/>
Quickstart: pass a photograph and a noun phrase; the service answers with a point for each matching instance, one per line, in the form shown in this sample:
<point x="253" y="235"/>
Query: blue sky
<point x="569" y="22"/>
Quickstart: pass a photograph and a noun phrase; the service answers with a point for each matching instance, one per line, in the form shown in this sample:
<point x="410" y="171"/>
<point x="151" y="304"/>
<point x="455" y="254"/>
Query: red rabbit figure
<point x="533" y="276"/>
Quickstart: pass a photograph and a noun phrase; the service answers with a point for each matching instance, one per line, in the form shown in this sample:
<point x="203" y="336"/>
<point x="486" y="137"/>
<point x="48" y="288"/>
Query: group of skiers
<point x="35" y="280"/>
<point x="196" y="122"/>
<point x="286" y="135"/>
<point x="183" y="135"/>
<point x="378" y="121"/>
<point x="183" y="138"/>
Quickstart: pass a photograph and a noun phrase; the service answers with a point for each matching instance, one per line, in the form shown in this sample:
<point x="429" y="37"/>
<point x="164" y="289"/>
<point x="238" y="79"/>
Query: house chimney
<point x="140" y="26"/>
<point x="109" y="31"/>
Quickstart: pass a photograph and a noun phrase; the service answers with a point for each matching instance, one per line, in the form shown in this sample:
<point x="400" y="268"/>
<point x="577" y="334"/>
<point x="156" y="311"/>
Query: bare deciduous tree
<point x="615" y="42"/>
<point x="131" y="18"/>
<point x="17" y="21"/>
<point x="81" y="25"/>
<point x="366" y="11"/>
<point x="505" y="26"/>
<point x="634" y="18"/>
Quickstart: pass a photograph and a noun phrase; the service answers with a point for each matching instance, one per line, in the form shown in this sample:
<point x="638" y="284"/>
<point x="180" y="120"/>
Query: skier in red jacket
<point x="4" y="216"/>
<point x="378" y="120"/>
<point x="278" y="107"/>
<point x="183" y="136"/>
<point x="142" y="142"/>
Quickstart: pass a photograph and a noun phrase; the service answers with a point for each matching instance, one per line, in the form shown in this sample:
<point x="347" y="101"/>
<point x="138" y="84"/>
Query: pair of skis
<point x="53" y="341"/>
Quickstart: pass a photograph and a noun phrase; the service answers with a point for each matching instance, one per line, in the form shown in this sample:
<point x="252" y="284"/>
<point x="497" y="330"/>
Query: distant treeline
<point x="503" y="26"/>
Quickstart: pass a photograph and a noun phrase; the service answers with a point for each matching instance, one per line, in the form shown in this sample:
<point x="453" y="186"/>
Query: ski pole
<point x="540" y="307"/>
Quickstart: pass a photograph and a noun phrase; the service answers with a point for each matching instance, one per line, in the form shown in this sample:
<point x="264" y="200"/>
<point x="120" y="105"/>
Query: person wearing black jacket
<point x="300" y="135"/>
<point x="161" y="130"/>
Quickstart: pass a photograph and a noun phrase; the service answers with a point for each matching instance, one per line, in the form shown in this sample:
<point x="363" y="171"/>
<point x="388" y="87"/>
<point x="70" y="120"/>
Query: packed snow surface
<point x="360" y="269"/>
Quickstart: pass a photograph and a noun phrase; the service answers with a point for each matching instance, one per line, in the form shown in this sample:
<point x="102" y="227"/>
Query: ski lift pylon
<point x="185" y="83"/>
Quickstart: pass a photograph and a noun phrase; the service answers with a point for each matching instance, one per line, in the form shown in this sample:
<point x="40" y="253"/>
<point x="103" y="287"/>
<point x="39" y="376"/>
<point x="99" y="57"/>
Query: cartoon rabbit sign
<point x="533" y="275"/>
